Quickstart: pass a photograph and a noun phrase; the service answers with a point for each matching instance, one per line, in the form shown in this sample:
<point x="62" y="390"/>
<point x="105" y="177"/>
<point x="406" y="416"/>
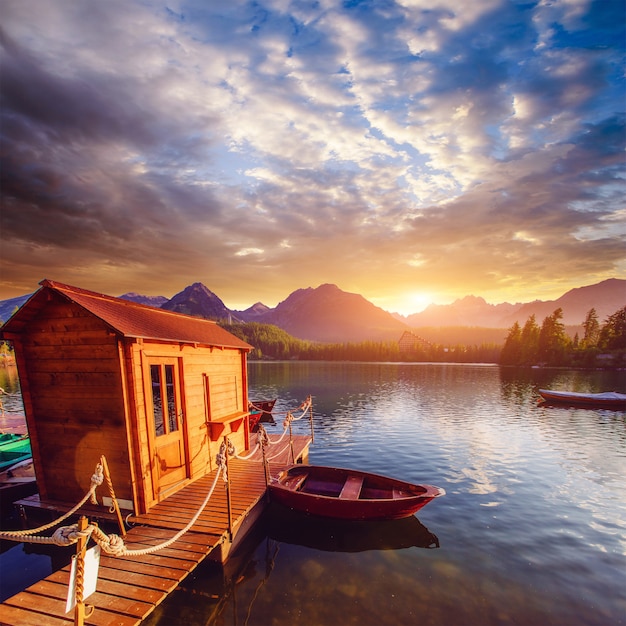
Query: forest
<point x="271" y="342"/>
<point x="601" y="344"/>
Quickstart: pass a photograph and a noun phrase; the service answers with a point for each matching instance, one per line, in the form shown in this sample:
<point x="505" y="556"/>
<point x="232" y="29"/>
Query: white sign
<point x="92" y="562"/>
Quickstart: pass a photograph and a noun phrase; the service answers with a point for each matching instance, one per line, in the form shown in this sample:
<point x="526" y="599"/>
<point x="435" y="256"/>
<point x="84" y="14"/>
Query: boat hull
<point x="607" y="400"/>
<point x="260" y="411"/>
<point x="13" y="449"/>
<point x="329" y="492"/>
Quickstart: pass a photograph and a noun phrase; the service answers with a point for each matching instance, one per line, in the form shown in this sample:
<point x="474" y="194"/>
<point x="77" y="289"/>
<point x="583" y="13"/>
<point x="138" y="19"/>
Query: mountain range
<point x="328" y="314"/>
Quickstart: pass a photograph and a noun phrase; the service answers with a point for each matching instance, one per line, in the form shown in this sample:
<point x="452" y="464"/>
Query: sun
<point x="411" y="303"/>
<point x="418" y="301"/>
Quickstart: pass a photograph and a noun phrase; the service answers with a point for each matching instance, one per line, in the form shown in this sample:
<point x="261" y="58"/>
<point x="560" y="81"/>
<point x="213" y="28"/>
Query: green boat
<point x="13" y="449"/>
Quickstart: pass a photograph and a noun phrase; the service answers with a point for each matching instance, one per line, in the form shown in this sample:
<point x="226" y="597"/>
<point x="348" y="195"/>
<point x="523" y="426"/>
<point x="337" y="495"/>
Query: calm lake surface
<point x="532" y="529"/>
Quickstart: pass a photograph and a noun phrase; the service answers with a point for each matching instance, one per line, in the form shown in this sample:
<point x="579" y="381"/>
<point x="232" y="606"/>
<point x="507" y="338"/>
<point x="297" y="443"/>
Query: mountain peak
<point x="199" y="301"/>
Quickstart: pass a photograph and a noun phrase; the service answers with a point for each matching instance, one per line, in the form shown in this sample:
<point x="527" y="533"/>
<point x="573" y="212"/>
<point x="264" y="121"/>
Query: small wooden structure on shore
<point x="152" y="390"/>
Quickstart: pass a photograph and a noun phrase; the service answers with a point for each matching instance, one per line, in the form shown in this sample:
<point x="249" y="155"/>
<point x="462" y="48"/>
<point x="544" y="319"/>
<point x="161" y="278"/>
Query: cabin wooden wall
<point x="225" y="371"/>
<point x="71" y="379"/>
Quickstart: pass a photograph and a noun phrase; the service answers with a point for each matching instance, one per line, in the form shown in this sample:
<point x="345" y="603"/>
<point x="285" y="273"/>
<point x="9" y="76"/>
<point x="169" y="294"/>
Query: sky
<point x="411" y="151"/>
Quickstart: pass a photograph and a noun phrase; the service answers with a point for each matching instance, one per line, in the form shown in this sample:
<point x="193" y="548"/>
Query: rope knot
<point x="114" y="545"/>
<point x="97" y="478"/>
<point x="67" y="535"/>
<point x="288" y="420"/>
<point x="262" y="437"/>
<point x="220" y="459"/>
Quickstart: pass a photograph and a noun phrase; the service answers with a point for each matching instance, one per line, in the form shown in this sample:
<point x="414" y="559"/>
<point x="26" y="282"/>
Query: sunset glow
<point x="409" y="151"/>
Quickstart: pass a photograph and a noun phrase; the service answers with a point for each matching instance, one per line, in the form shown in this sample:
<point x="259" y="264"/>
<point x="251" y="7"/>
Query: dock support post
<point x="266" y="467"/>
<point x="228" y="499"/>
<point x="310" y="399"/>
<point x="81" y="547"/>
<point x="293" y="455"/>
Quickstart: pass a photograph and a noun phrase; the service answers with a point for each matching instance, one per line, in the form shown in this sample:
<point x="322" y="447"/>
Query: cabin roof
<point x="130" y="319"/>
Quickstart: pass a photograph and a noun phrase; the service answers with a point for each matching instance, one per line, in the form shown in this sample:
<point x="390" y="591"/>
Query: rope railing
<point x="113" y="544"/>
<point x="263" y="439"/>
<point x="18" y="535"/>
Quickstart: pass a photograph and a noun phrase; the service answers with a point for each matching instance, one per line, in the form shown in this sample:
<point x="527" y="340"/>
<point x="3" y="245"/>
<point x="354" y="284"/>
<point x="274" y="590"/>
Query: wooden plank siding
<point x="77" y="412"/>
<point x="130" y="588"/>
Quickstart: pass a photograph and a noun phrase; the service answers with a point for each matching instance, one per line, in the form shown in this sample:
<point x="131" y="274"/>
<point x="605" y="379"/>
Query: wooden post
<point x="266" y="469"/>
<point x="81" y="548"/>
<point x="114" y="503"/>
<point x="228" y="500"/>
<point x="311" y="418"/>
<point x="293" y="456"/>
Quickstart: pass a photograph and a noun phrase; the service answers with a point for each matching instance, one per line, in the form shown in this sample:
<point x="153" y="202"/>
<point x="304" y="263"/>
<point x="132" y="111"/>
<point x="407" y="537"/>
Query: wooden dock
<point x="129" y="588"/>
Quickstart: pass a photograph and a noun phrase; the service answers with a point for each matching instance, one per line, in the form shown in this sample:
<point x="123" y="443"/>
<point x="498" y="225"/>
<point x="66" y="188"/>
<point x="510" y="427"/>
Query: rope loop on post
<point x="262" y="437"/>
<point x="97" y="478"/>
<point x="220" y="459"/>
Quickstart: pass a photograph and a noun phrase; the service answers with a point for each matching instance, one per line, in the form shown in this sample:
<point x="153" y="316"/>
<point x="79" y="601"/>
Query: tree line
<point x="549" y="344"/>
<point x="530" y="344"/>
<point x="271" y="342"/>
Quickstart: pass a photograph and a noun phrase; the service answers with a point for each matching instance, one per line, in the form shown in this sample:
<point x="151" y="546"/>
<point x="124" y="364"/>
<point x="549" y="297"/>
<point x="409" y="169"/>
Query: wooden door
<point x="166" y="425"/>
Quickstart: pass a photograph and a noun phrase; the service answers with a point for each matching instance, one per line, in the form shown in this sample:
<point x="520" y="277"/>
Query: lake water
<point x="532" y="529"/>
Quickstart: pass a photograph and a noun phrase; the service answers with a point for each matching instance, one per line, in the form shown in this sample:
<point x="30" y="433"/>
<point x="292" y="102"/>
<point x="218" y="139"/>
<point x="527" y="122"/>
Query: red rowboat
<point x="606" y="400"/>
<point x="348" y="494"/>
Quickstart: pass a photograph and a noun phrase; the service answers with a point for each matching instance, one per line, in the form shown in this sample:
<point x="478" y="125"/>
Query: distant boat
<point x="605" y="400"/>
<point x="13" y="449"/>
<point x="260" y="411"/>
<point x="348" y="494"/>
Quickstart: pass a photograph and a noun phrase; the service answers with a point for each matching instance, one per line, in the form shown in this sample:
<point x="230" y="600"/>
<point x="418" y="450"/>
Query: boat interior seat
<point x="298" y="483"/>
<point x="352" y="488"/>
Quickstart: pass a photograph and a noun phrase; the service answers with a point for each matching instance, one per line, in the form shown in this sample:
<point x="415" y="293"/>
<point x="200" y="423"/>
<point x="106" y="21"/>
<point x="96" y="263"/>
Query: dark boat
<point x="13" y="449"/>
<point x="606" y="400"/>
<point x="348" y="494"/>
<point x="260" y="411"/>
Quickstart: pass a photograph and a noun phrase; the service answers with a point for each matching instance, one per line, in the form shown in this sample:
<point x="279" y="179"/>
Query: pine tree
<point x="592" y="330"/>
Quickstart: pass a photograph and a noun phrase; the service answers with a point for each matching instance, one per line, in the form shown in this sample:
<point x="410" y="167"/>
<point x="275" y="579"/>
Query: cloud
<point x="394" y="146"/>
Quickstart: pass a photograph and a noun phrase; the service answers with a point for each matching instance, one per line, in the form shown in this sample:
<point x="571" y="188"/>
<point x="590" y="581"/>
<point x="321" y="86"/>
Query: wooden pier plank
<point x="46" y="608"/>
<point x="27" y="617"/>
<point x="114" y="588"/>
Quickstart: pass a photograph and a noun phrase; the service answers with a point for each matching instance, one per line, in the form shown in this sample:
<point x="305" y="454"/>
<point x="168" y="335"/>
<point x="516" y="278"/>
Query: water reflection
<point x="287" y="526"/>
<point x="10" y="397"/>
<point x="531" y="530"/>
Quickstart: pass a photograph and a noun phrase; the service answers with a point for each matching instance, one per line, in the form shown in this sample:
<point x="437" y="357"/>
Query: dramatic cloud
<point x="394" y="148"/>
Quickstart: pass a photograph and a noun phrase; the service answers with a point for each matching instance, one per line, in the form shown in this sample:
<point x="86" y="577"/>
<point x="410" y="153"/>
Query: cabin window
<point x="163" y="399"/>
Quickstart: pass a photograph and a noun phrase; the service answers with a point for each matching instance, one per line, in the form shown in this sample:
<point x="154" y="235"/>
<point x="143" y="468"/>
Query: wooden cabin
<point x="153" y="391"/>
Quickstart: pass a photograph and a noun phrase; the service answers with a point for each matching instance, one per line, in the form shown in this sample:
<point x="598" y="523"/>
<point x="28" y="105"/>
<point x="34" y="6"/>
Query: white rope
<point x="114" y="544"/>
<point x="249" y="455"/>
<point x="269" y="458"/>
<point x="304" y="407"/>
<point x="19" y="535"/>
